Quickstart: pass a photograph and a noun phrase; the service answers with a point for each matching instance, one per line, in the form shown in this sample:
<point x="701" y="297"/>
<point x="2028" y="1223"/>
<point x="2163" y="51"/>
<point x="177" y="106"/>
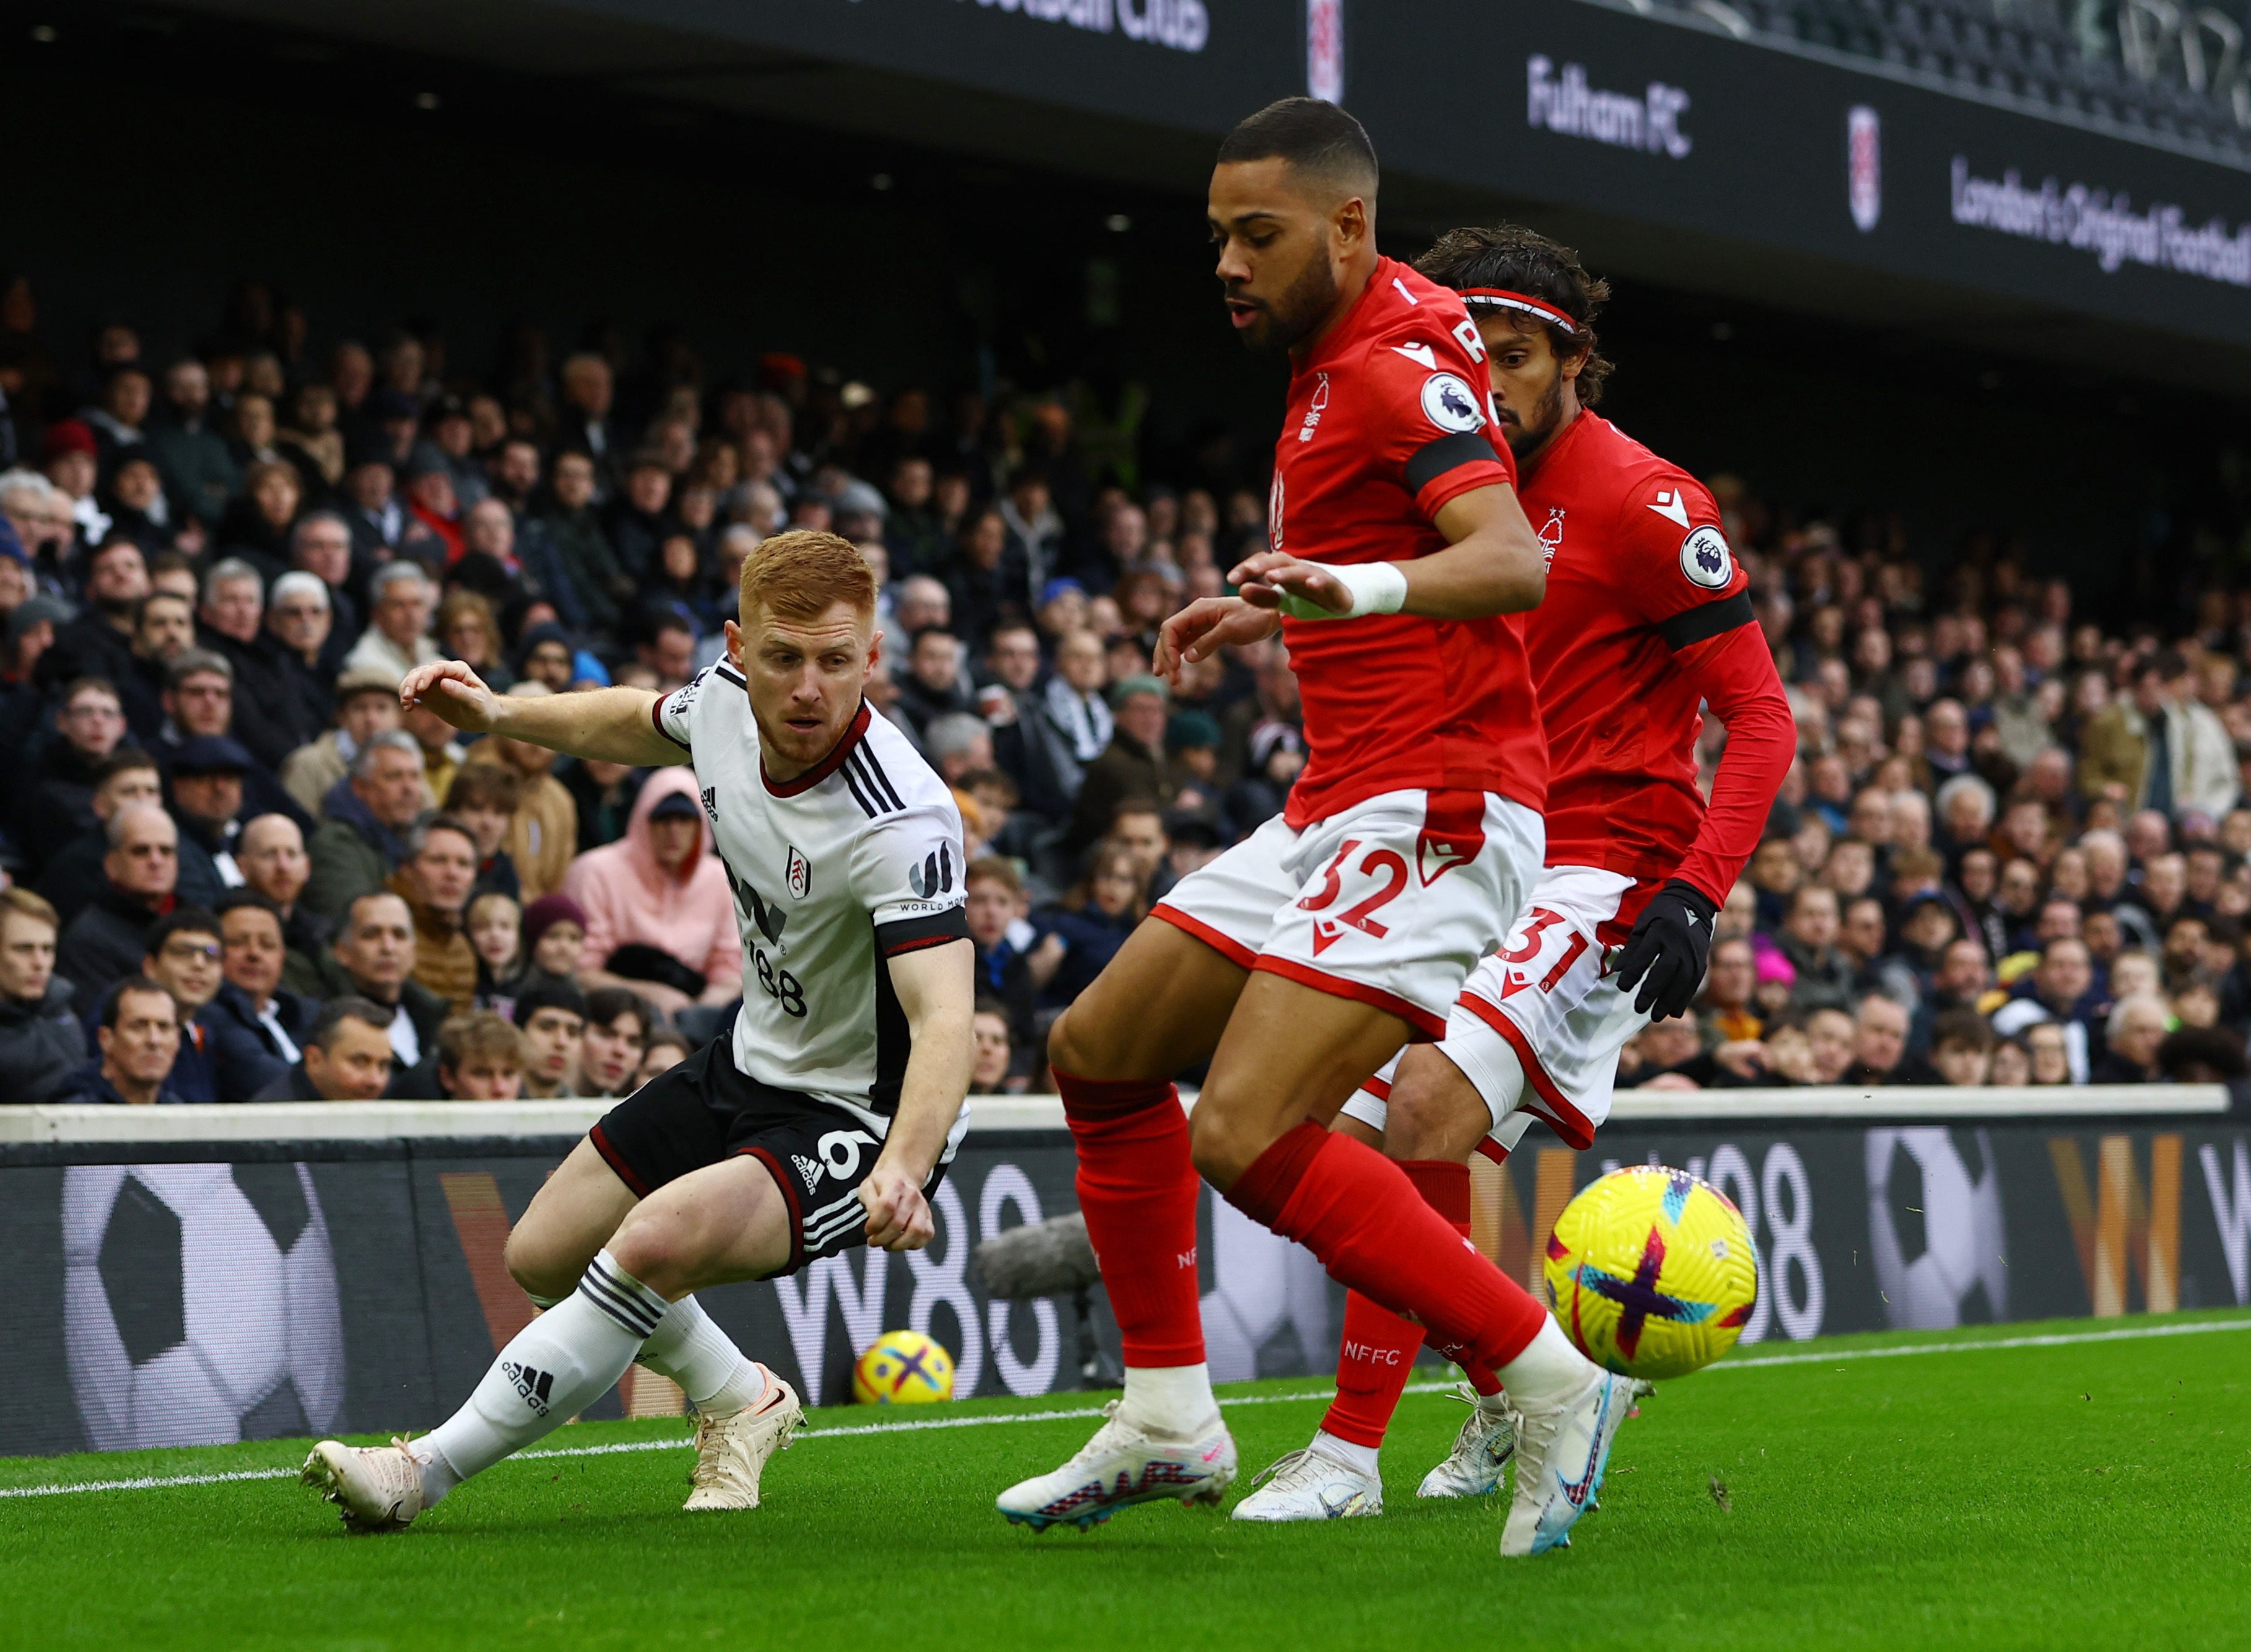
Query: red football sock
<point x="1377" y="1354"/>
<point x="1357" y="1212"/>
<point x="1137" y="1190"/>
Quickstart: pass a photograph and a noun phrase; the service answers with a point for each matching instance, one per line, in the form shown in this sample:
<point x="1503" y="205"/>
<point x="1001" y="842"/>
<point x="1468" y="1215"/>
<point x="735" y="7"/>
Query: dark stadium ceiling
<point x="692" y="55"/>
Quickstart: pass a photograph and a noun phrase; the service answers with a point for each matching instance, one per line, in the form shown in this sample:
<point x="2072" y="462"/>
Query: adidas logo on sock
<point x="809" y="1169"/>
<point x="535" y="1385"/>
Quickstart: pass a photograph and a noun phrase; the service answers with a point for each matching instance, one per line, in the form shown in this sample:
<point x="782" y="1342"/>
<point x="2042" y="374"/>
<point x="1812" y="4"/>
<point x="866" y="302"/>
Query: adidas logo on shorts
<point x="807" y="1170"/>
<point x="534" y="1385"/>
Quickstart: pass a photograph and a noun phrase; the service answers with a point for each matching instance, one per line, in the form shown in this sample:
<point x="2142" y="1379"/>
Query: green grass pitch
<point x="2088" y="1493"/>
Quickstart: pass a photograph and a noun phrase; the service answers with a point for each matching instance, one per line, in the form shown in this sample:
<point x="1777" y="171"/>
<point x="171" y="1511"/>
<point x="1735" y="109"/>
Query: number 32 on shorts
<point x="1385" y="867"/>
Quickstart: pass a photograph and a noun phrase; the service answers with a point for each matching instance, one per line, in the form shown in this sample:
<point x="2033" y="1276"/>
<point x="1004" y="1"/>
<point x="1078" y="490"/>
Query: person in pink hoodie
<point x="660" y="916"/>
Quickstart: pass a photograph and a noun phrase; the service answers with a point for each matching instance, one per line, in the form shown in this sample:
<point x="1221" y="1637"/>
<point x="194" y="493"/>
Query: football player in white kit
<point x="821" y="1121"/>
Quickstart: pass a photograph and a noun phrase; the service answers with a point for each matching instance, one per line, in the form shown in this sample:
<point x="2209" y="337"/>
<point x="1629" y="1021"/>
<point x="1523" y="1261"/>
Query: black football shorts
<point x="704" y="1110"/>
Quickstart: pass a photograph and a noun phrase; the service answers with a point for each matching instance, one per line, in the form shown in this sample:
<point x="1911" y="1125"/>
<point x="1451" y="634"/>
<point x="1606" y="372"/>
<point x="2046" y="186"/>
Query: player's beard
<point x="1533" y="433"/>
<point x="1301" y="308"/>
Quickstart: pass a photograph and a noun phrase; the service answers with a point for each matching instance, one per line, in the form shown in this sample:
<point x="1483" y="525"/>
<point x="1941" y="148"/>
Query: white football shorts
<point x="1538" y="1025"/>
<point x="1391" y="901"/>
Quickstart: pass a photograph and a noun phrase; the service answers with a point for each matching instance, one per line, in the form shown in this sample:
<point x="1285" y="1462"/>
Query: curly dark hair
<point x="1517" y="259"/>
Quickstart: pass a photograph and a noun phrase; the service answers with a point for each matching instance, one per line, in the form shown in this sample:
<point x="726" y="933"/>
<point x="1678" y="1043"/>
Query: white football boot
<point x="1123" y="1464"/>
<point x="731" y="1451"/>
<point x="378" y="1487"/>
<point x="1481" y="1450"/>
<point x="1309" y="1484"/>
<point x="1561" y="1450"/>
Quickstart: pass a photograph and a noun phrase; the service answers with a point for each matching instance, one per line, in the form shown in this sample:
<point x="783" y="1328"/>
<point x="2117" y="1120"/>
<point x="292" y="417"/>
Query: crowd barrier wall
<point x="189" y="1275"/>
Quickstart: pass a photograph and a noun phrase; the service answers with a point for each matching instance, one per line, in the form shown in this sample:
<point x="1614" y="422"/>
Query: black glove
<point x="1664" y="955"/>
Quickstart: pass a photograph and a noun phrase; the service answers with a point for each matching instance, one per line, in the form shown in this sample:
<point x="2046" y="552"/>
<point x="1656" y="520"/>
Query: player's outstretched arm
<point x="613" y="725"/>
<point x="935" y="992"/>
<point x="1206" y="625"/>
<point x="1492" y="564"/>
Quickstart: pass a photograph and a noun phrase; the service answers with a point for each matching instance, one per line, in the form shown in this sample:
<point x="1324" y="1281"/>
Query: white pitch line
<point x="2055" y="1340"/>
<point x="149" y="1482"/>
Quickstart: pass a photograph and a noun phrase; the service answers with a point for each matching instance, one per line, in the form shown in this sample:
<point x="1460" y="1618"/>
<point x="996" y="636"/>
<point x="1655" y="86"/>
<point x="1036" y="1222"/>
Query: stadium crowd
<point x="2011" y="850"/>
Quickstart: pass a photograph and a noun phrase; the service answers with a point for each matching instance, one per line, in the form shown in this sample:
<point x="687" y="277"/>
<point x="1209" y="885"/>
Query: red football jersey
<point x="1638" y="572"/>
<point x="1389" y="419"/>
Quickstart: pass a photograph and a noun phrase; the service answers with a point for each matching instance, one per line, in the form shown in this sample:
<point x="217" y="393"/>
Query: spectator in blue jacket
<point x="41" y="1045"/>
<point x="1082" y="932"/>
<point x="254" y="1028"/>
<point x="139" y="1037"/>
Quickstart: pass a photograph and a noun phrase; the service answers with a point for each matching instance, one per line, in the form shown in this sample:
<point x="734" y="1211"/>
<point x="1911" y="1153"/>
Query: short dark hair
<point x="483" y="786"/>
<point x="1313" y="137"/>
<point x="181" y="920"/>
<point x="1513" y="258"/>
<point x="336" y="1011"/>
<point x="605" y="1005"/>
<point x="1963" y="1027"/>
<point x="111" y="1000"/>
<point x="236" y="899"/>
<point x="549" y="995"/>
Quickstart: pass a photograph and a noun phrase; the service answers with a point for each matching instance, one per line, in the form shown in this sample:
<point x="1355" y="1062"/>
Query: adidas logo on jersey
<point x="935" y="876"/>
<point x="711" y="803"/>
<point x="808" y="1170"/>
<point x="535" y="1387"/>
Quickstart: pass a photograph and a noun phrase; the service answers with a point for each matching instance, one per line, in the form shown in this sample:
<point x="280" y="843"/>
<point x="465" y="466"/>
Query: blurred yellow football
<point x="902" y="1368"/>
<point x="1651" y="1272"/>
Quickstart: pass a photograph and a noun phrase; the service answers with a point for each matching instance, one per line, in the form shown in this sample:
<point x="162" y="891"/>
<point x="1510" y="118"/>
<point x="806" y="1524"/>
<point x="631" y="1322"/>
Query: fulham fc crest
<point x="801" y="874"/>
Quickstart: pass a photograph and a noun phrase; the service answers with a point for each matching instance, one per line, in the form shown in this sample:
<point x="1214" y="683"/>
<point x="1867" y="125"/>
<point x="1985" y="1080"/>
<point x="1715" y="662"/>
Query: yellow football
<point x="1651" y="1272"/>
<point x="902" y="1368"/>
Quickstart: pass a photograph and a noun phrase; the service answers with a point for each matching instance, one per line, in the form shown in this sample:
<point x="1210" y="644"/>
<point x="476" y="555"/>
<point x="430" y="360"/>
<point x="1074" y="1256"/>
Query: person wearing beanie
<point x="554" y="942"/>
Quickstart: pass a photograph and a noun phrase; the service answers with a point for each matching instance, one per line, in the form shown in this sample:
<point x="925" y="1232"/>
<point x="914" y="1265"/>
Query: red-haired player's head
<point x="1535" y="305"/>
<point x="1292" y="213"/>
<point x="805" y="644"/>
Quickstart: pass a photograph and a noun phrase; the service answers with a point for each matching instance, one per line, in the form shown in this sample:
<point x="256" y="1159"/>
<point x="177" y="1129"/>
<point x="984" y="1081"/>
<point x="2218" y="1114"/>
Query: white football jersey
<point x="834" y="873"/>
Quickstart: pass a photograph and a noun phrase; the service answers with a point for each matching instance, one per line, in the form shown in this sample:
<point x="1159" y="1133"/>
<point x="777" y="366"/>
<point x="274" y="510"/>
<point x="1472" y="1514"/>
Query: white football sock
<point x="1350" y="1452"/>
<point x="1169" y="1399"/>
<point x="1548" y="1369"/>
<point x="691" y="1350"/>
<point x="553" y="1369"/>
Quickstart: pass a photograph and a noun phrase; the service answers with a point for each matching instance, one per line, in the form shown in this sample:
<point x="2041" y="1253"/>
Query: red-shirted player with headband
<point x="1303" y="958"/>
<point x="1647" y="614"/>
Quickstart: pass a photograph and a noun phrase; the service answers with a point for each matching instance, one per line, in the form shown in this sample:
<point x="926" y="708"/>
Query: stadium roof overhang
<point x="1669" y="152"/>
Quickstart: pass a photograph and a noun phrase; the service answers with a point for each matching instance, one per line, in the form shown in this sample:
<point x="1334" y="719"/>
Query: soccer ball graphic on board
<point x="200" y="1304"/>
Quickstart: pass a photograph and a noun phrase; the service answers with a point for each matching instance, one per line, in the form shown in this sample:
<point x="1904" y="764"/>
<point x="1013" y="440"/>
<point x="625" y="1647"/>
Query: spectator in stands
<point x="139" y="1039"/>
<point x="666" y="1049"/>
<point x="348" y="1056"/>
<point x="200" y="474"/>
<point x="58" y="805"/>
<point x="997" y="910"/>
<point x="42" y="1046"/>
<point x="1132" y="766"/>
<point x="270" y="854"/>
<point x="1083" y="930"/>
<point x="610" y="1043"/>
<point x="207" y="775"/>
<point x="554" y="942"/>
<point x="1136" y="825"/>
<point x="183" y="957"/>
<point x="660" y="917"/>
<point x="298" y="617"/>
<point x="989" y="1072"/>
<point x="398" y="639"/>
<point x="163" y="629"/>
<point x="1726" y="1006"/>
<point x="367" y="704"/>
<point x="98" y="642"/>
<point x="480" y="1058"/>
<point x="2060" y="990"/>
<point x="373" y="959"/>
<point x="495" y="925"/>
<point x="567" y="513"/>
<point x="435" y="880"/>
<point x="253" y="1027"/>
<point x="550" y="1018"/>
<point x="107" y="940"/>
<point x="483" y="797"/>
<point x="74" y="878"/>
<point x="360" y="843"/>
<point x="2136" y="1029"/>
<point x="1809" y="942"/>
<point x="1074" y="698"/>
<point x="544" y="836"/>
<point x="1962" y="1048"/>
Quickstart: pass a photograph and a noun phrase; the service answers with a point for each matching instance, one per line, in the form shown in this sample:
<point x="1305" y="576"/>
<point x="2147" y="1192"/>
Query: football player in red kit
<point x="1647" y="615"/>
<point x="1303" y="958"/>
